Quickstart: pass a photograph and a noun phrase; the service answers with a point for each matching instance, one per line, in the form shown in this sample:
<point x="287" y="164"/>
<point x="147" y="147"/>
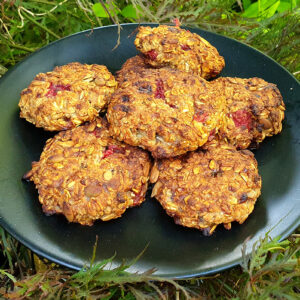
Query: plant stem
<point x="41" y="26"/>
<point x="18" y="47"/>
<point x="45" y="2"/>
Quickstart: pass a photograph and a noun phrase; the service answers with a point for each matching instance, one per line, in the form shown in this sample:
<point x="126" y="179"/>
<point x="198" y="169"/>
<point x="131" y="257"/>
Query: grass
<point x="26" y="26"/>
<point x="270" y="272"/>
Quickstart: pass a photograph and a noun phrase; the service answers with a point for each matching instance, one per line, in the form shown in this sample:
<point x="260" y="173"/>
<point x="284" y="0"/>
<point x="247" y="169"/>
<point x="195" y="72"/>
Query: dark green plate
<point x="174" y="250"/>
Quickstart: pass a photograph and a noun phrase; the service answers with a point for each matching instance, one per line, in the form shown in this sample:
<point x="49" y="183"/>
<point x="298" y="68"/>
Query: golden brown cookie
<point x="67" y="96"/>
<point x="178" y="48"/>
<point x="86" y="175"/>
<point x="165" y="111"/>
<point x="255" y="110"/>
<point x="212" y="186"/>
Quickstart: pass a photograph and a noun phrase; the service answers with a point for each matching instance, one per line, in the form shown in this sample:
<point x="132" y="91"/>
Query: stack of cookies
<point x="162" y="121"/>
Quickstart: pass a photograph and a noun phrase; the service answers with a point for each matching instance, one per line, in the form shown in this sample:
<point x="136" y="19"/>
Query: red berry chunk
<point x="107" y="153"/>
<point x="152" y="54"/>
<point x="111" y="149"/>
<point x="201" y="117"/>
<point x="160" y="91"/>
<point x="212" y="135"/>
<point x="137" y="198"/>
<point x="242" y="118"/>
<point x="54" y="88"/>
<point x="185" y="47"/>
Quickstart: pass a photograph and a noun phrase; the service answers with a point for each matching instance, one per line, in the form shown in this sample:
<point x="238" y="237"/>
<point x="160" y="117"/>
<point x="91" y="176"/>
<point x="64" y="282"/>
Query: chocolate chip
<point x="243" y="198"/>
<point x="146" y="88"/>
<point x="125" y="108"/>
<point x="125" y="98"/>
<point x="260" y="127"/>
<point x="254" y="109"/>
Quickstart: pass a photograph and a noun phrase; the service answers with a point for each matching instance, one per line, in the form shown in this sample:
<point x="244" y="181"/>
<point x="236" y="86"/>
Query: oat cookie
<point x="165" y="111"/>
<point x="86" y="175"/>
<point x="255" y="110"/>
<point x="178" y="48"/>
<point x="67" y="96"/>
<point x="208" y="187"/>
